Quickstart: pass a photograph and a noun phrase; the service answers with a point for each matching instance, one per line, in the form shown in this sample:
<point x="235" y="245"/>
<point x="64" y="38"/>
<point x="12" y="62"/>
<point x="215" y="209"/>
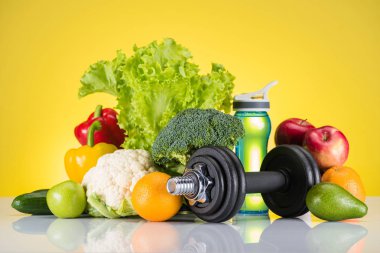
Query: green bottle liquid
<point x="251" y="109"/>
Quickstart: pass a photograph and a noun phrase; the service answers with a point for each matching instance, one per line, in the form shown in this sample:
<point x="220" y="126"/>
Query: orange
<point x="346" y="178"/>
<point x="152" y="201"/>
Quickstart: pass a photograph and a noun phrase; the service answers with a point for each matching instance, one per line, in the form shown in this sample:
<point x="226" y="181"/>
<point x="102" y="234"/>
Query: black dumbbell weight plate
<point x="313" y="168"/>
<point x="242" y="182"/>
<point x="301" y="176"/>
<point x="313" y="164"/>
<point x="231" y="180"/>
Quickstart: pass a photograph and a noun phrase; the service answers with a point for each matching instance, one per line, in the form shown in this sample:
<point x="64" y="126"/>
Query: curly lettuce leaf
<point x="153" y="85"/>
<point x="104" y="76"/>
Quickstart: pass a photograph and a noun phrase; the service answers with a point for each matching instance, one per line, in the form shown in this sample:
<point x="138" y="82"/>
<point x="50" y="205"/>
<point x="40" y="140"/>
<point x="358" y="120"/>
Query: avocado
<point x="331" y="202"/>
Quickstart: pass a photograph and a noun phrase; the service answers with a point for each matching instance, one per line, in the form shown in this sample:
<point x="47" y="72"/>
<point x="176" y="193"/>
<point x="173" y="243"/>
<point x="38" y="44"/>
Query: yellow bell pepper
<point x="78" y="161"/>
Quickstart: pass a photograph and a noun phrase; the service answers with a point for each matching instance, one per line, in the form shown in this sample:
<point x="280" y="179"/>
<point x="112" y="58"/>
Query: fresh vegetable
<point x="153" y="85"/>
<point x="79" y="161"/>
<point x="192" y="129"/>
<point x="331" y="202"/>
<point x="66" y="199"/>
<point x="110" y="132"/>
<point x="32" y="203"/>
<point x="152" y="201"/>
<point x="110" y="183"/>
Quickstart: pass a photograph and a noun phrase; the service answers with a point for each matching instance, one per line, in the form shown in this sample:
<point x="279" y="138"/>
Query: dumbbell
<point x="214" y="182"/>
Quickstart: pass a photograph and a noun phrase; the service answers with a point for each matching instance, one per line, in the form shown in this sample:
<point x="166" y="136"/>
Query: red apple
<point x="328" y="146"/>
<point x="292" y="131"/>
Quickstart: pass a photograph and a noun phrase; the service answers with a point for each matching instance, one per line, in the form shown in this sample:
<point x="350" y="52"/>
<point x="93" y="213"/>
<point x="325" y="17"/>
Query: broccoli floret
<point x="192" y="129"/>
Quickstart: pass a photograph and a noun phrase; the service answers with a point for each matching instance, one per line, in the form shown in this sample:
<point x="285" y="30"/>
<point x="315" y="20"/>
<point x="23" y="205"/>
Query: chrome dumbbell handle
<point x="192" y="185"/>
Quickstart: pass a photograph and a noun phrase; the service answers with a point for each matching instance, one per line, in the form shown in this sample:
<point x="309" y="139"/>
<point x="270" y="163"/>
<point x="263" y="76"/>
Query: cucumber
<point x="32" y="203"/>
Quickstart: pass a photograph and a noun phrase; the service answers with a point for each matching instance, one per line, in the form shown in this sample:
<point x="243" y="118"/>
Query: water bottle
<point x="251" y="109"/>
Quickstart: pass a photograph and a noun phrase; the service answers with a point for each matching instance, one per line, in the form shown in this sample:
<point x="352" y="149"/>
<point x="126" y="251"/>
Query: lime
<point x="67" y="199"/>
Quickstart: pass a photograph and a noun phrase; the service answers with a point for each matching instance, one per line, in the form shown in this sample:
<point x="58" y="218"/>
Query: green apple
<point x="67" y="199"/>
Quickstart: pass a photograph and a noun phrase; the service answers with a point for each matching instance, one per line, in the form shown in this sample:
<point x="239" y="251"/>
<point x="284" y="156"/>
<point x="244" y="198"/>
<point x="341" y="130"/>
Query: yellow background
<point x="325" y="54"/>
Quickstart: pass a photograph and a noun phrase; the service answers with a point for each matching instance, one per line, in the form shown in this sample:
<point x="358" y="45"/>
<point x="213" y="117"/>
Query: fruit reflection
<point x="67" y="234"/>
<point x="155" y="237"/>
<point x="336" y="237"/>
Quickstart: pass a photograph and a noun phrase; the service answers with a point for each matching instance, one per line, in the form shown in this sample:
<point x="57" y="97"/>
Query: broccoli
<point x="192" y="129"/>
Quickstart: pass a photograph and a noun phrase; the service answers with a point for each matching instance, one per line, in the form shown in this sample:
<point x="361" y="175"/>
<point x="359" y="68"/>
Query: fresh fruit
<point x="331" y="202"/>
<point x="152" y="201"/>
<point x="32" y="203"/>
<point x="346" y="178"/>
<point x="328" y="146"/>
<point x="292" y="131"/>
<point x="67" y="199"/>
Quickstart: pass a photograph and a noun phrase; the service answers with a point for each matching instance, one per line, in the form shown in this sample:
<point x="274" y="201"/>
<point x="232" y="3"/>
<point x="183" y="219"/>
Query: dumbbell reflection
<point x="283" y="235"/>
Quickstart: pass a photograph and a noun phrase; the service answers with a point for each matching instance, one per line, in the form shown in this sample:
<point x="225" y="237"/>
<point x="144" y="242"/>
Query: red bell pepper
<point x="110" y="131"/>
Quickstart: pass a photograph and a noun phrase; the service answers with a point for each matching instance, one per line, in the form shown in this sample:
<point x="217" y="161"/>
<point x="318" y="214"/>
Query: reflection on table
<point x="243" y="234"/>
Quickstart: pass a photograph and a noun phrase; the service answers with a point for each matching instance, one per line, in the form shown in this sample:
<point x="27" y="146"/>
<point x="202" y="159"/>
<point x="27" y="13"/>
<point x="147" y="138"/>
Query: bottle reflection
<point x="246" y="235"/>
<point x="251" y="228"/>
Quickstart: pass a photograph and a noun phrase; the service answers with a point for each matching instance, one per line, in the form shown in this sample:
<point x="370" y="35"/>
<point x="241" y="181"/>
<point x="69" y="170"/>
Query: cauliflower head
<point x="110" y="183"/>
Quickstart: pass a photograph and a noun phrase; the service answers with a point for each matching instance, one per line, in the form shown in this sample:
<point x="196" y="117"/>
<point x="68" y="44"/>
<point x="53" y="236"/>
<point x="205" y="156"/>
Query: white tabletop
<point x="23" y="233"/>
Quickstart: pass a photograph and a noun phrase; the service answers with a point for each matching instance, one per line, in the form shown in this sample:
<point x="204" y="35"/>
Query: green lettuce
<point x="153" y="85"/>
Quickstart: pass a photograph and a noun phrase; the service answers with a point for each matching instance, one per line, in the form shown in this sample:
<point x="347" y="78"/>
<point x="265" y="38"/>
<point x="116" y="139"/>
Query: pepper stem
<point x="91" y="131"/>
<point x="98" y="111"/>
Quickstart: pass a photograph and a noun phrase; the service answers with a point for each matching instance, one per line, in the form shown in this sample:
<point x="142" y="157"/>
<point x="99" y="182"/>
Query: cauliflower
<point x="110" y="183"/>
